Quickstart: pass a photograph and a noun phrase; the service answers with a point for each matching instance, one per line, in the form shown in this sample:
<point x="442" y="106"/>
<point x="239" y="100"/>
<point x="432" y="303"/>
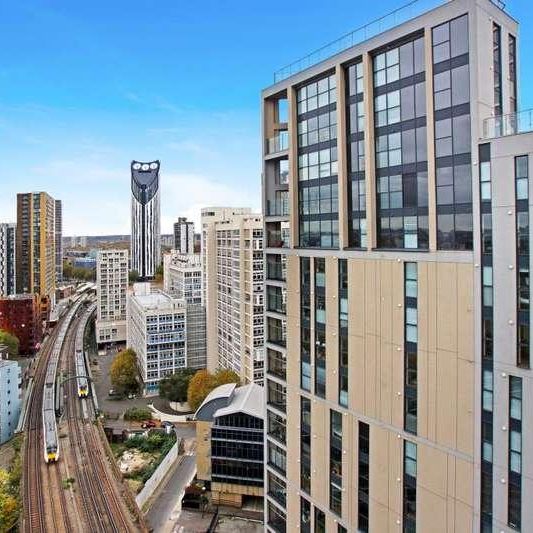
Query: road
<point x="166" y="508"/>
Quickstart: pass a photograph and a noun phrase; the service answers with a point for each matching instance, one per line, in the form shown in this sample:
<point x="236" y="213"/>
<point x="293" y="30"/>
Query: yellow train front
<point x="83" y="390"/>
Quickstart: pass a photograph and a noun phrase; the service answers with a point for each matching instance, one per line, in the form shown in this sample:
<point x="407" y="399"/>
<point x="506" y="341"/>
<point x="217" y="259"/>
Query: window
<point x="512" y="74"/>
<point x="515" y="453"/>
<point x="276" y="395"/>
<point x="305" y="515"/>
<point x="305" y="323"/>
<point x="363" y="478"/>
<point x="409" y="487"/>
<point x="276" y="519"/>
<point x="277" y="488"/>
<point x="343" y="332"/>
<point x="277" y="457"/>
<point x="335" y="462"/>
<point x="276" y="427"/>
<point x="410" y="348"/>
<point x="320" y="326"/>
<point x="305" y="444"/>
<point x="497" y="68"/>
<point x="320" y="521"/>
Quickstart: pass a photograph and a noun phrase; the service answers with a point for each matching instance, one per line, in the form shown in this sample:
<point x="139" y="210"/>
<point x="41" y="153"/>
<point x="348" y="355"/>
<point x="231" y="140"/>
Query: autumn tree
<point x="124" y="372"/>
<point x="203" y="383"/>
<point x="174" y="388"/>
<point x="10" y="341"/>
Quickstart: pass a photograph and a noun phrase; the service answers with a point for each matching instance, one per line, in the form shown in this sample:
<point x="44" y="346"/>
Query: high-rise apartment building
<point x="10" y="401"/>
<point x="397" y="394"/>
<point x="157" y="332"/>
<point x="111" y="291"/>
<point x="232" y="272"/>
<point x="59" y="240"/>
<point x="35" y="247"/>
<point x="145" y="218"/>
<point x="184" y="236"/>
<point x="182" y="279"/>
<point x="7" y="259"/>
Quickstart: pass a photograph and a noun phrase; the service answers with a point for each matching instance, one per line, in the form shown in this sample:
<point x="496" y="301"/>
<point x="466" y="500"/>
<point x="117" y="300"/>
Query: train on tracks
<point x="81" y="370"/>
<point x="51" y="446"/>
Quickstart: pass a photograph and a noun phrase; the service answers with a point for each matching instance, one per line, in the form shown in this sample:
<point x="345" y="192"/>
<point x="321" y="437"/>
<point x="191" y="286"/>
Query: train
<point x="81" y="371"/>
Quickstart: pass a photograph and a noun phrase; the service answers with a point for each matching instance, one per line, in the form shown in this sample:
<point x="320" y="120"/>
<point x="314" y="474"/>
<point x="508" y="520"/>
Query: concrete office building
<point x="36" y="247"/>
<point x="157" y="331"/>
<point x="145" y="219"/>
<point x="229" y="433"/>
<point x="397" y="399"/>
<point x="232" y="272"/>
<point x="182" y="279"/>
<point x="7" y="259"/>
<point x="184" y="236"/>
<point x="111" y="291"/>
<point x="59" y="240"/>
<point x="10" y="401"/>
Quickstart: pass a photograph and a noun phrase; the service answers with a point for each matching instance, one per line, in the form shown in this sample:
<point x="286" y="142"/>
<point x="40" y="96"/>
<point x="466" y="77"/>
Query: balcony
<point x="278" y="238"/>
<point x="278" y="207"/>
<point x="278" y="143"/>
<point x="511" y="124"/>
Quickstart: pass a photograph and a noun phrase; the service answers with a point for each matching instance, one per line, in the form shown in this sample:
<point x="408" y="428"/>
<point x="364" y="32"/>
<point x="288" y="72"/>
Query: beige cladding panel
<point x="293" y="437"/>
<point x="319" y="451"/>
<point x="356" y="297"/>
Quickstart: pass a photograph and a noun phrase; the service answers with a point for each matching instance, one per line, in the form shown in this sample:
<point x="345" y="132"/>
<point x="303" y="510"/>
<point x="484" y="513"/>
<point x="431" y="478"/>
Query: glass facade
<point x="320" y="326"/>
<point x="451" y="99"/>
<point x="335" y="462"/>
<point x="515" y="453"/>
<point x="411" y="347"/>
<point x="513" y="106"/>
<point x="409" y="487"/>
<point x="305" y="323"/>
<point x="305" y="444"/>
<point x="497" y="68"/>
<point x="355" y="116"/>
<point x="522" y="258"/>
<point x="343" y="332"/>
<point x="363" y="479"/>
<point x="401" y="145"/>
<point x="487" y="362"/>
<point x="317" y="164"/>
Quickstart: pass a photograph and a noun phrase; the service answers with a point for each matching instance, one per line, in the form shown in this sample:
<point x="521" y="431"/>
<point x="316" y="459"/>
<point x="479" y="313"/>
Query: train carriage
<point x="83" y="384"/>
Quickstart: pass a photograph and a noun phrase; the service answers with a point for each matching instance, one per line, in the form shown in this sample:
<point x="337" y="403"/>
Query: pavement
<point x="166" y="508"/>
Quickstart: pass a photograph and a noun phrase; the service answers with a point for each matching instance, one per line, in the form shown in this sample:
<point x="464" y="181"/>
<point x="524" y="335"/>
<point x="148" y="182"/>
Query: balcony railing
<point x="511" y="124"/>
<point x="278" y="143"/>
<point x="278" y="208"/>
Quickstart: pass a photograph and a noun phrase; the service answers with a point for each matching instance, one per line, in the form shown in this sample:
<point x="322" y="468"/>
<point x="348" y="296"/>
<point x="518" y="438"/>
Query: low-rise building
<point x="10" y="379"/>
<point x="229" y="431"/>
<point x="157" y="332"/>
<point x="20" y="315"/>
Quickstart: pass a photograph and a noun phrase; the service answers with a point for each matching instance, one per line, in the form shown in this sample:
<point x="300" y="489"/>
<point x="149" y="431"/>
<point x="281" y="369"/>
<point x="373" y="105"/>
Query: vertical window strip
<point x="305" y="515"/>
<point x="410" y="347"/>
<point x="514" y="515"/>
<point x="497" y="68"/>
<point x="343" y="332"/>
<point x="487" y="367"/>
<point x="320" y="326"/>
<point x="305" y="444"/>
<point x="409" y="486"/>
<point x="363" y="483"/>
<point x="522" y="259"/>
<point x="335" y="462"/>
<point x="512" y="74"/>
<point x="305" y="322"/>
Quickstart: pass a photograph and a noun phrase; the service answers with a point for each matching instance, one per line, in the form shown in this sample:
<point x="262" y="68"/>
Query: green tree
<point x="202" y="383"/>
<point x="10" y="341"/>
<point x="133" y="276"/>
<point x="124" y="372"/>
<point x="174" y="388"/>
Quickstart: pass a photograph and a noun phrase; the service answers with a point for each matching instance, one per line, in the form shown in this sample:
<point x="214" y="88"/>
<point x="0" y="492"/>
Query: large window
<point x="343" y="332"/>
<point x="305" y="323"/>
<point x="276" y="519"/>
<point x="451" y="98"/>
<point x="401" y="146"/>
<point x="355" y="112"/>
<point x="277" y="458"/>
<point x="276" y="427"/>
<point x="497" y="68"/>
<point x="515" y="453"/>
<point x="522" y="257"/>
<point x="363" y="478"/>
<point x="305" y="444"/>
<point x="512" y="74"/>
<point x="317" y="164"/>
<point x="335" y="462"/>
<point x="411" y="347"/>
<point x="277" y="488"/>
<point x="276" y="395"/>
<point x="320" y="521"/>
<point x="320" y="327"/>
<point x="409" y="487"/>
<point x="305" y="515"/>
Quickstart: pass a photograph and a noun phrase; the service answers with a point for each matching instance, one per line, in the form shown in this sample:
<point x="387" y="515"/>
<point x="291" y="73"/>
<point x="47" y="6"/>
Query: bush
<point x="138" y="414"/>
<point x="10" y="341"/>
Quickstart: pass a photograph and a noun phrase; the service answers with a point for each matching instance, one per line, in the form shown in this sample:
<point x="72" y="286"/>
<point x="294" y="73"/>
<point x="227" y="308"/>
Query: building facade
<point x="229" y="429"/>
<point x="145" y="219"/>
<point x="398" y="370"/>
<point x="36" y="248"/>
<point x="10" y="401"/>
<point x="111" y="291"/>
<point x="157" y="332"/>
<point x="184" y="236"/>
<point x="232" y="276"/>
<point x="59" y="240"/>
<point x="20" y="315"/>
<point x="7" y="259"/>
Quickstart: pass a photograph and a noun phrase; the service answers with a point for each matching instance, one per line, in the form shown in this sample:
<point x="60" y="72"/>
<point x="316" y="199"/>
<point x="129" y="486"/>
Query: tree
<point x="159" y="274"/>
<point x="10" y="341"/>
<point x="174" y="388"/>
<point x="203" y="383"/>
<point x="124" y="372"/>
<point x="133" y="276"/>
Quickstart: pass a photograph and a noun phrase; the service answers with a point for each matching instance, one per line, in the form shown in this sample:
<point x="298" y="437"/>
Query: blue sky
<point x="85" y="87"/>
